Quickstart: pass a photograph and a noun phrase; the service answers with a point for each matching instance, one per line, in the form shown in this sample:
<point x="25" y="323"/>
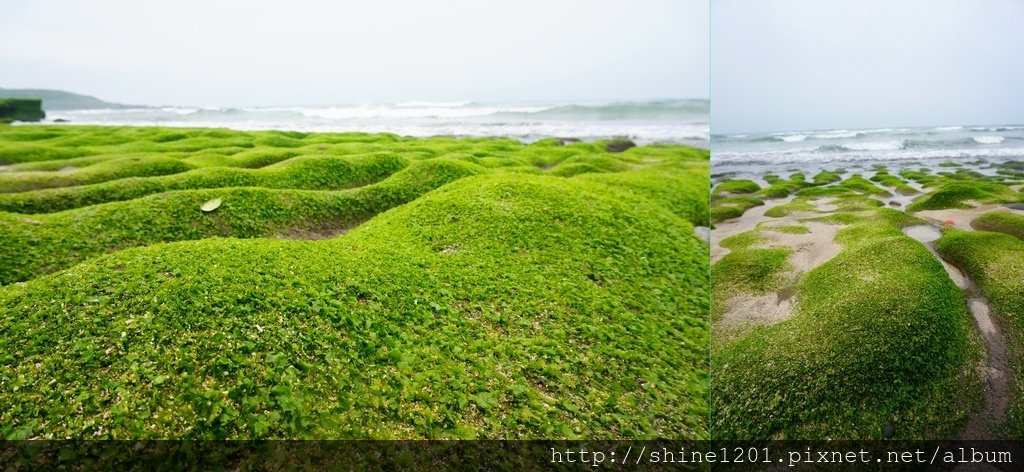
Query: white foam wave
<point x="97" y="111"/>
<point x="793" y="138"/>
<point x="837" y="134"/>
<point x="988" y="139"/>
<point x="948" y="128"/>
<point x="370" y="112"/>
<point x="422" y="104"/>
<point x="812" y="156"/>
<point x="875" y="146"/>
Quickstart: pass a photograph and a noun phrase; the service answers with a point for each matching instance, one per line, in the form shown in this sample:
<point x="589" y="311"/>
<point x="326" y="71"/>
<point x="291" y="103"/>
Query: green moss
<point x="728" y="212"/>
<point x="824" y="178"/>
<point x="1001" y="222"/>
<point x="894" y="182"/>
<point x="128" y="166"/>
<point x="22" y="109"/>
<point x="960" y="194"/>
<point x="736" y="187"/>
<point x="499" y="306"/>
<point x="859" y="184"/>
<point x="994" y="262"/>
<point x="856" y="202"/>
<point x="742" y="240"/>
<point x="780" y="188"/>
<point x="305" y="172"/>
<point x="746" y="270"/>
<point x="855" y="185"/>
<point x="921" y="176"/>
<point x="467" y="299"/>
<point x="880" y="335"/>
<point x="679" y="184"/>
<point x="725" y="208"/>
<point x="795" y="206"/>
<point x="59" y="240"/>
<point x="789" y="229"/>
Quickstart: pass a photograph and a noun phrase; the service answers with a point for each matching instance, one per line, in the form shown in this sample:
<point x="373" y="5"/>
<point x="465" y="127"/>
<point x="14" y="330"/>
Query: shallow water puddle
<point x="922" y="233"/>
<point x="979" y="308"/>
<point x="898" y="200"/>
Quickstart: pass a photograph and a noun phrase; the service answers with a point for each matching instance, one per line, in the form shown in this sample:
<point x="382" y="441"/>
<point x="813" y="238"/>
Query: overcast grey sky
<point x="781" y="65"/>
<point x="307" y="52"/>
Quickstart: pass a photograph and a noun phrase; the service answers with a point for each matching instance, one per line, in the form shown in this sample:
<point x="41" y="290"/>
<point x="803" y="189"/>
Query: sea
<point x="737" y="154"/>
<point x="681" y="121"/>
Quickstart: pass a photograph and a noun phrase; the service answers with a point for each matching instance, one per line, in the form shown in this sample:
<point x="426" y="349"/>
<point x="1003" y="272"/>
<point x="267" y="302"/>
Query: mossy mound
<point x="736" y="187"/>
<point x="995" y="262"/>
<point x="347" y="179"/>
<point x="962" y="194"/>
<point x="725" y="208"/>
<point x="475" y="300"/>
<point x="732" y="198"/>
<point x="855" y="184"/>
<point x="305" y="172"/>
<point x="894" y="182"/>
<point x="1001" y="222"/>
<point x="781" y="188"/>
<point x="498" y="306"/>
<point x="879" y="336"/>
<point x="827" y="177"/>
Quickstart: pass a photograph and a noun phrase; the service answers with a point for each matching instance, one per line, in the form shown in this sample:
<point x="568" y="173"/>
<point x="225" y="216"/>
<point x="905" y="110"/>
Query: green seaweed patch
<point x="127" y="166"/>
<point x="880" y="336"/>
<point x="960" y="194"/>
<point x="499" y="306"/>
<point x="747" y="271"/>
<point x="743" y="240"/>
<point x="725" y="208"/>
<point x="1002" y="221"/>
<point x="782" y="188"/>
<point x="736" y="187"/>
<point x="894" y="182"/>
<point x="891" y="216"/>
<point x="799" y="205"/>
<point x="825" y="178"/>
<point x="995" y="263"/>
<point x="856" y="203"/>
<point x="788" y="229"/>
<point x="305" y="172"/>
<point x="679" y="183"/>
<point x="859" y="184"/>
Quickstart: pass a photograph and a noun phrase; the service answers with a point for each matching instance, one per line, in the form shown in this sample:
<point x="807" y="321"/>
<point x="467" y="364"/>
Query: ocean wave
<point x="793" y="138"/>
<point x="377" y="111"/>
<point x="422" y="104"/>
<point x="100" y="111"/>
<point x="644" y="122"/>
<point x="875" y="146"/>
<point x="653" y="110"/>
<point x="948" y="128"/>
<point x="988" y="139"/>
<point x="837" y="134"/>
<point x="995" y="128"/>
<point x="832" y="148"/>
<point x="817" y="156"/>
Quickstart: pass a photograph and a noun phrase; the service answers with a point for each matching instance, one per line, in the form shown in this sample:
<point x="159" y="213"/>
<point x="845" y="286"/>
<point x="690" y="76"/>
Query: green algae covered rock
<point x="21" y="109"/>
<point x="461" y="288"/>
